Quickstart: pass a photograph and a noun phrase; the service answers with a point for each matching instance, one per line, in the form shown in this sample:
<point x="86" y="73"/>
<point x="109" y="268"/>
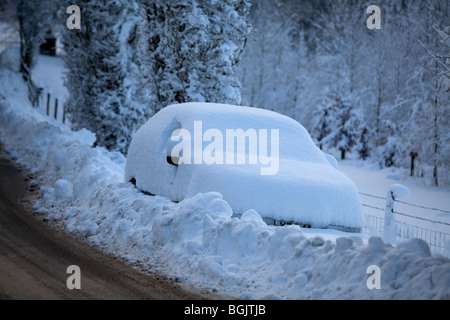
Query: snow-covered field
<point x="197" y="240"/>
<point x="425" y="213"/>
<point x="369" y="178"/>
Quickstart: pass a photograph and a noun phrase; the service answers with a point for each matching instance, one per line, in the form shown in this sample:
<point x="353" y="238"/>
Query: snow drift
<point x="306" y="188"/>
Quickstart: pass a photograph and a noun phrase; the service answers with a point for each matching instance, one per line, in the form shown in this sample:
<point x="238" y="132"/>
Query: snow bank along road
<point x="197" y="240"/>
<point x="34" y="257"/>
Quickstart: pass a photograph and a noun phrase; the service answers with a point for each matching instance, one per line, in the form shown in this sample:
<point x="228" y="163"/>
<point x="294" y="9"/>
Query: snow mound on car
<point x="307" y="186"/>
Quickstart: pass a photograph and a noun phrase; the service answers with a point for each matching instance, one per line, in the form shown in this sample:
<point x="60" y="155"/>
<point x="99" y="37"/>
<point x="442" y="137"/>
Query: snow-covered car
<point x="257" y="159"/>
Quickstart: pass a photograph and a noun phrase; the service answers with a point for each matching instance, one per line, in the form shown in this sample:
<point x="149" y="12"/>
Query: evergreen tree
<point x="132" y="58"/>
<point x="338" y="126"/>
<point x="363" y="145"/>
<point x="218" y="47"/>
<point x="103" y="78"/>
<point x="322" y="128"/>
<point x="344" y="138"/>
<point x="193" y="48"/>
<point x="390" y="152"/>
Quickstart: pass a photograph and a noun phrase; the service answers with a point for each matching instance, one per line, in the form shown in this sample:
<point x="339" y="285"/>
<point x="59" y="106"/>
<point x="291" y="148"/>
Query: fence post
<point x="48" y="103"/>
<point x="394" y="191"/>
<point x="64" y="114"/>
<point x="56" y="109"/>
<point x="40" y="98"/>
<point x="413" y="158"/>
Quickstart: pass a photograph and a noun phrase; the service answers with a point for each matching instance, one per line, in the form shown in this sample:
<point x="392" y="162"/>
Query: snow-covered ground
<point x="425" y="213"/>
<point x="197" y="240"/>
<point x="47" y="74"/>
<point x="369" y="178"/>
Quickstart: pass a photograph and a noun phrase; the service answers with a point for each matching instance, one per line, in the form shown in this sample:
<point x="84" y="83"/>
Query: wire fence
<point x="435" y="233"/>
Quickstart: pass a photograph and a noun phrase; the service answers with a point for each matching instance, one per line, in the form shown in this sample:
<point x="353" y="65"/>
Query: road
<point x="34" y="257"/>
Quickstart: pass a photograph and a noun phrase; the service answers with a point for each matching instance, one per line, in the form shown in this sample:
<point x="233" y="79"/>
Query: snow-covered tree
<point x="437" y="100"/>
<point x="323" y="126"/>
<point x="218" y="36"/>
<point x="276" y="63"/>
<point x="445" y="57"/>
<point x="343" y="32"/>
<point x="363" y="144"/>
<point x="103" y="77"/>
<point x="345" y="136"/>
<point x="416" y="144"/>
<point x="30" y="28"/>
<point x="132" y="58"/>
<point x="390" y="149"/>
<point x="339" y="125"/>
<point x="261" y="62"/>
<point x="193" y="48"/>
<point x="32" y="17"/>
<point x="383" y="74"/>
